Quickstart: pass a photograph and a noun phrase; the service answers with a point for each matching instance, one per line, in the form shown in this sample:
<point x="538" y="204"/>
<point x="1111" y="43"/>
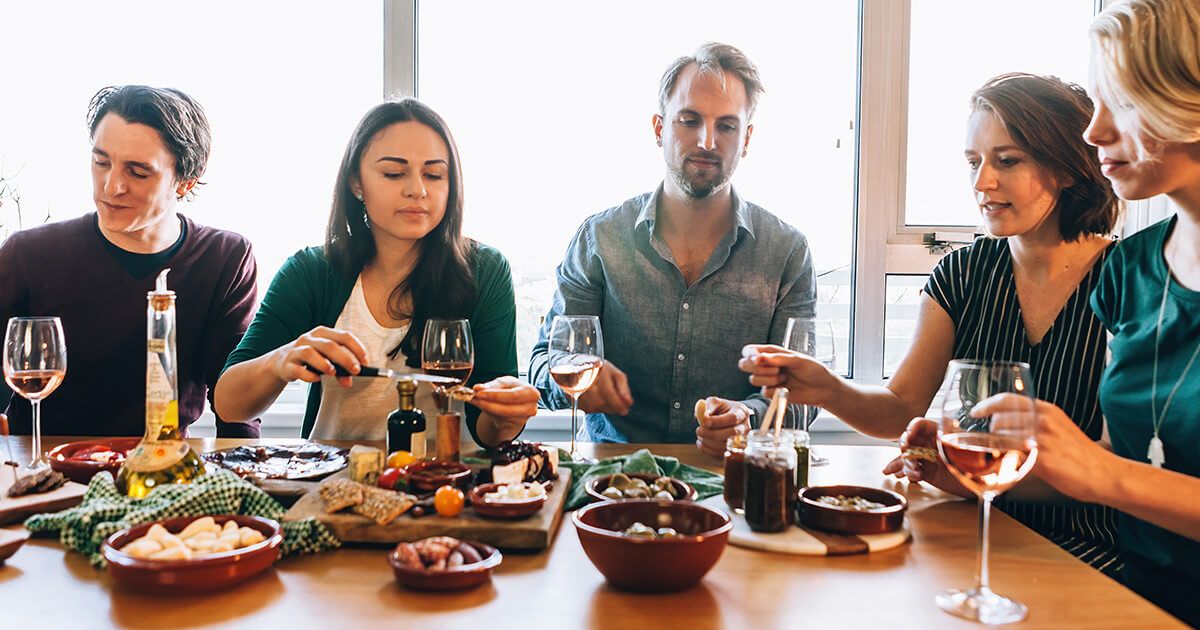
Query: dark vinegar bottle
<point x="406" y="425"/>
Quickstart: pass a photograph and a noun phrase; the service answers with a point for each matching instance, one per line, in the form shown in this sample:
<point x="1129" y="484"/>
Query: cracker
<point x="339" y="494"/>
<point x="383" y="506"/>
<point x="921" y="452"/>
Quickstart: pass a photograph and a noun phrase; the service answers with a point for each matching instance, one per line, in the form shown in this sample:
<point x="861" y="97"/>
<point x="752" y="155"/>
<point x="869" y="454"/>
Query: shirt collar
<point x="649" y="211"/>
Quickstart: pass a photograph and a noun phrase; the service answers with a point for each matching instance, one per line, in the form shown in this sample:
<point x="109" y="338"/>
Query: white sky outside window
<point x="550" y="103"/>
<point x="956" y="47"/>
<point x="283" y="84"/>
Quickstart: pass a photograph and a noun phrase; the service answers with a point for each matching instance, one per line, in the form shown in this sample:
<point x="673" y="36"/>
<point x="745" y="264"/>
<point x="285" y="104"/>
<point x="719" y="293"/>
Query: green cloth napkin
<point x="104" y="511"/>
<point x="707" y="484"/>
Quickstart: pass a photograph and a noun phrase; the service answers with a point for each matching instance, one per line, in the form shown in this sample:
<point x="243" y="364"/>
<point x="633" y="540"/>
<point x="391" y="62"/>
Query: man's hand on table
<point x="719" y="419"/>
<point x="609" y="394"/>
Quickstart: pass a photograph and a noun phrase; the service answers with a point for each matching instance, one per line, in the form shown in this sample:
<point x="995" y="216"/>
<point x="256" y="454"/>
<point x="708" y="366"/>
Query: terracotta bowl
<point x="846" y="521"/>
<point x="422" y="479"/>
<point x="597" y="485"/>
<point x="468" y="576"/>
<point x="503" y="509"/>
<point x="83" y="471"/>
<point x="182" y="577"/>
<point x="652" y="566"/>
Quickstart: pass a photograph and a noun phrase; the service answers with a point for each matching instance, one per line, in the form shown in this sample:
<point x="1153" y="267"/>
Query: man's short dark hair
<point x="177" y="117"/>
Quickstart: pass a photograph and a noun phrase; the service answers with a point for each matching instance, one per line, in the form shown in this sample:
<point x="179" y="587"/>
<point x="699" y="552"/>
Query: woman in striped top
<point x="1020" y="294"/>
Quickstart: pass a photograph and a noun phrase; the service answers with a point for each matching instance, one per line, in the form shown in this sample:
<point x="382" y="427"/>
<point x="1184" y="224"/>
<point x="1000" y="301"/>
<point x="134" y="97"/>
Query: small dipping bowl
<point x="597" y="485"/>
<point x="211" y="572"/>
<point x="842" y="520"/>
<point x="428" y="476"/>
<point x="459" y="578"/>
<point x="82" y="471"/>
<point x="645" y="565"/>
<point x="520" y="508"/>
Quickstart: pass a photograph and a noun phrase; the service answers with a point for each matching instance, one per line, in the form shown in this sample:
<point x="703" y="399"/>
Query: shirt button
<point x="676" y="404"/>
<point x="680" y="357"/>
<point x="686" y="306"/>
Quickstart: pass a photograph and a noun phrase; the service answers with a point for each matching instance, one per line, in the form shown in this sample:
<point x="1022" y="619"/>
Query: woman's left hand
<point x="1067" y="458"/>
<point x="509" y="400"/>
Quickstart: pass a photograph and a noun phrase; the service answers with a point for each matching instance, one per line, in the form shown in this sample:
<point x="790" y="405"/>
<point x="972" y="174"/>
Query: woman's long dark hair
<point x="442" y="285"/>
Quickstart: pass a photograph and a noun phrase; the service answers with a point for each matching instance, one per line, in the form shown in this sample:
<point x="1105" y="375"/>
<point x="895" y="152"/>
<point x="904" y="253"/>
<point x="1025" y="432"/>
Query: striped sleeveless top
<point x="976" y="286"/>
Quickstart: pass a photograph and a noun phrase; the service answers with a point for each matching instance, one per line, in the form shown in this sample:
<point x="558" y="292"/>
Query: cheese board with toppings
<point x="519" y="506"/>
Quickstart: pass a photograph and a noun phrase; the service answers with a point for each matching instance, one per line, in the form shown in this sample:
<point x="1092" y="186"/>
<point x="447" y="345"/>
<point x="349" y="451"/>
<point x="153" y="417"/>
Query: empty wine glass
<point x="447" y="350"/>
<point x="813" y="337"/>
<point x="576" y="355"/>
<point x="987" y="455"/>
<point x="35" y="363"/>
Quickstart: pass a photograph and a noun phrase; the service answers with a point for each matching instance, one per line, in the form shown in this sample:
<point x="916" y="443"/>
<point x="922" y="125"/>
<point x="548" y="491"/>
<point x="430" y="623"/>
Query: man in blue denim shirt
<point x="683" y="277"/>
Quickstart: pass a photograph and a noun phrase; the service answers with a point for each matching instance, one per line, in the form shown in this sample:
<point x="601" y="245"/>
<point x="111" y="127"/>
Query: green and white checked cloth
<point x="104" y="511"/>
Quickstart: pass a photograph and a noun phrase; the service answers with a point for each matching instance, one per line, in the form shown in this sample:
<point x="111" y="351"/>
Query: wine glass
<point x="576" y="356"/>
<point x="988" y="455"/>
<point x="447" y="350"/>
<point x="35" y="363"/>
<point x="813" y="337"/>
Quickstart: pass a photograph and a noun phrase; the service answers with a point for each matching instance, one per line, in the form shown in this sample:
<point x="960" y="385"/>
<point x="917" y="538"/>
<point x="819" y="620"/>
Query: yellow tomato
<point x="448" y="501"/>
<point x="400" y="459"/>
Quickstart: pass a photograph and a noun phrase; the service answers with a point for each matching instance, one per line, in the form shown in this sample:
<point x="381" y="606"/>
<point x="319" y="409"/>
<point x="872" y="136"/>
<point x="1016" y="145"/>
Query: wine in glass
<point x="447" y="350"/>
<point x="988" y="455"/>
<point x="813" y="337"/>
<point x="35" y="363"/>
<point x="576" y="356"/>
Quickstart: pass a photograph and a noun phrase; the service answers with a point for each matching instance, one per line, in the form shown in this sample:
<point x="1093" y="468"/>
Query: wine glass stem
<point x="574" y="423"/>
<point x="985" y="511"/>
<point x="37" y="433"/>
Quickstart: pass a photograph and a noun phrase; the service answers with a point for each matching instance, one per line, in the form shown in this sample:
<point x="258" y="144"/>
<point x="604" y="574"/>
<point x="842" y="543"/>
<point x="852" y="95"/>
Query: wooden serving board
<point x="16" y="509"/>
<point x="803" y="541"/>
<point x="532" y="533"/>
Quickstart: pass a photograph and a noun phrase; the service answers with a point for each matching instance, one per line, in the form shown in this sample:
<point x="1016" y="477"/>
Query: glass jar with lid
<point x="769" y="498"/>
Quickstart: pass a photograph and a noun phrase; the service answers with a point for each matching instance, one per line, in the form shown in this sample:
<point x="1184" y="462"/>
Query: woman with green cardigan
<point x="394" y="258"/>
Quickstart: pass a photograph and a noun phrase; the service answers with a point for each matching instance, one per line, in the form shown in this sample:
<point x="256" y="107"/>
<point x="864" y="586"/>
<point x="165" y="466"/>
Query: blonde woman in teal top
<point x="394" y="257"/>
<point x="1147" y="130"/>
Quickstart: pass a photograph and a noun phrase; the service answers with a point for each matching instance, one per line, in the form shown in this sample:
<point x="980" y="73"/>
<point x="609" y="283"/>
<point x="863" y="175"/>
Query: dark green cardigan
<point x="308" y="292"/>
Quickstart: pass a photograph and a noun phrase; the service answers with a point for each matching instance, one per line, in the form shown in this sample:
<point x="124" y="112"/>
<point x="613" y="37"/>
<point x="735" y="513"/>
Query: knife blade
<point x="375" y="372"/>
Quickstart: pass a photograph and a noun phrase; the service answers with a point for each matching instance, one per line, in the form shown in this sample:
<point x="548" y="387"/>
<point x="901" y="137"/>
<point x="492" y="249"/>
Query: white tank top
<point x="360" y="412"/>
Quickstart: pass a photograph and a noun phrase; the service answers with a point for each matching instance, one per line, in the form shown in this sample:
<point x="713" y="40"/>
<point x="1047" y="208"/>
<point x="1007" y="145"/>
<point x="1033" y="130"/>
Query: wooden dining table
<point x="44" y="585"/>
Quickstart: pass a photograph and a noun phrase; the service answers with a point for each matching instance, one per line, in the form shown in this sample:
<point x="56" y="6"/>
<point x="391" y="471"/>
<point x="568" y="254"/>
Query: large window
<point x="951" y="54"/>
<point x="550" y="103"/>
<point x="282" y="81"/>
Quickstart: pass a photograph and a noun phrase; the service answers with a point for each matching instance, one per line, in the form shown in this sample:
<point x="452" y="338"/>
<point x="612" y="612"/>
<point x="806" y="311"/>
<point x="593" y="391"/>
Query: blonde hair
<point x="1146" y="62"/>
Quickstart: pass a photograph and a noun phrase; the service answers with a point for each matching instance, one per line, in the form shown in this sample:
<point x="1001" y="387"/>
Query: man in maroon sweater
<point x="150" y="147"/>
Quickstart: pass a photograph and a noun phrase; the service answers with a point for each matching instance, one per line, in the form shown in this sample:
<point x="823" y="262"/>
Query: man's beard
<point x="699" y="188"/>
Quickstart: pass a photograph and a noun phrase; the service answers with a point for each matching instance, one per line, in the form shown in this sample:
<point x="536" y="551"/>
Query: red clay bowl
<point x="846" y="521"/>
<point x="83" y="471"/>
<point x="597" y="485"/>
<point x="652" y="566"/>
<point x="464" y="577"/>
<point x="503" y="509"/>
<point x="182" y="577"/>
<point x="428" y="476"/>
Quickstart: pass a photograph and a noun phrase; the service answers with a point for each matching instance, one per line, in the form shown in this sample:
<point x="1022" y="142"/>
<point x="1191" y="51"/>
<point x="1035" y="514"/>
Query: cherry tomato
<point x="399" y="459"/>
<point x="388" y="478"/>
<point x="448" y="501"/>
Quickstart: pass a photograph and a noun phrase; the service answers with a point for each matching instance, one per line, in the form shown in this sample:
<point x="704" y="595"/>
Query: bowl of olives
<point x="652" y="545"/>
<point x="639" y="486"/>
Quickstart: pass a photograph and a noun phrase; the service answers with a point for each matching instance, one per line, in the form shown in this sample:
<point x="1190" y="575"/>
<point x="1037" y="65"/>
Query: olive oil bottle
<point x="162" y="457"/>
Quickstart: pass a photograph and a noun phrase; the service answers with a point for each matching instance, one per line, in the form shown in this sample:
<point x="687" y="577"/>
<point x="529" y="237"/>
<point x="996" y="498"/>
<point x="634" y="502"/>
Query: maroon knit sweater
<point x="63" y="269"/>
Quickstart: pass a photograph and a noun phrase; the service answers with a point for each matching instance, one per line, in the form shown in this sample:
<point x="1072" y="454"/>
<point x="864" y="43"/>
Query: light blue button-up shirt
<point x="676" y="343"/>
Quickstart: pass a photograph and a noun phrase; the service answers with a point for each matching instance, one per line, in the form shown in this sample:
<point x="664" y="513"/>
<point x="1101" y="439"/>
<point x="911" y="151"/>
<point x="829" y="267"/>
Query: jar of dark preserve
<point x="735" y="471"/>
<point x="769" y="498"/>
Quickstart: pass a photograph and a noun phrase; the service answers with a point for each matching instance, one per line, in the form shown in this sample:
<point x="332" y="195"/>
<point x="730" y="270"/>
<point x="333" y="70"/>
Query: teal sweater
<point x="308" y="292"/>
